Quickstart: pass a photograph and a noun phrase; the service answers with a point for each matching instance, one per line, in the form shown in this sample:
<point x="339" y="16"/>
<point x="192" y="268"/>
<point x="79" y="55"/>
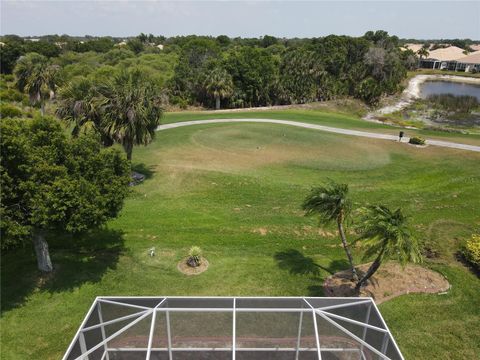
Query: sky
<point x="406" y="19"/>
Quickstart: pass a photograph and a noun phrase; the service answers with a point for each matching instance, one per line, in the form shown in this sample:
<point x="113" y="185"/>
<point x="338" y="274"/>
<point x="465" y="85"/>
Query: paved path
<point x="335" y="130"/>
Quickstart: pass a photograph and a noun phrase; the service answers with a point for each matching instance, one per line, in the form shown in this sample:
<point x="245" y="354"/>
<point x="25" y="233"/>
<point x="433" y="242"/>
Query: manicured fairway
<point x="235" y="190"/>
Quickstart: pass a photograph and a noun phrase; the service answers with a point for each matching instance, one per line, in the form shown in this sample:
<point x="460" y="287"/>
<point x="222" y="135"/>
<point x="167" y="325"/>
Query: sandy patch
<point x="261" y="231"/>
<point x="412" y="92"/>
<point x="390" y="281"/>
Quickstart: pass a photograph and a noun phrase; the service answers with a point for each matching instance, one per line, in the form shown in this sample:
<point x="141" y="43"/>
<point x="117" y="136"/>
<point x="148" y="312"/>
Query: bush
<point x="471" y="251"/>
<point x="12" y="95"/>
<point x="8" y="77"/>
<point x="194" y="255"/>
<point x="417" y="140"/>
<point x="9" y="111"/>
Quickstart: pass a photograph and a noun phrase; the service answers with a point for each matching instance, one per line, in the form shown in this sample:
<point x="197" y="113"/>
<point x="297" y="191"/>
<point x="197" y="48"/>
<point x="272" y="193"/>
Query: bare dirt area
<point x="390" y="281"/>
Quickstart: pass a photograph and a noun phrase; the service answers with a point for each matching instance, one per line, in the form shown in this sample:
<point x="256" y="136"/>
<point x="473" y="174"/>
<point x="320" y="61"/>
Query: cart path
<point x="330" y="129"/>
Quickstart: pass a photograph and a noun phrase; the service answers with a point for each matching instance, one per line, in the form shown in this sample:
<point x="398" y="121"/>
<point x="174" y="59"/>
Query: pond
<point x="449" y="87"/>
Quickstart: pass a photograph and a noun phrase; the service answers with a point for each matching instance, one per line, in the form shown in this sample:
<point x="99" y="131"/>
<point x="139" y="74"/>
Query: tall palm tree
<point x="131" y="109"/>
<point x="80" y="104"/>
<point x="386" y="233"/>
<point x="219" y="85"/>
<point x="37" y="77"/>
<point x="75" y="104"/>
<point x="331" y="203"/>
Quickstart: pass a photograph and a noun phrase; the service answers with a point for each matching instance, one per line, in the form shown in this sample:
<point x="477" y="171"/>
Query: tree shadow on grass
<point x="298" y="264"/>
<point x="76" y="260"/>
<point x="143" y="169"/>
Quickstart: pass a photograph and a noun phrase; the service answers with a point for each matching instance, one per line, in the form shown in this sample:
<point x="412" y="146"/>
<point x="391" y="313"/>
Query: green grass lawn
<point x="345" y="120"/>
<point x="235" y="190"/>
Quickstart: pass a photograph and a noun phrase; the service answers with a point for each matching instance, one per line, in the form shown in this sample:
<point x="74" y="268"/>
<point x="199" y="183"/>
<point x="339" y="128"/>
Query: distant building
<point x="443" y="58"/>
<point x="475" y="47"/>
<point x="413" y="47"/>
<point x="160" y="46"/>
<point x="469" y="63"/>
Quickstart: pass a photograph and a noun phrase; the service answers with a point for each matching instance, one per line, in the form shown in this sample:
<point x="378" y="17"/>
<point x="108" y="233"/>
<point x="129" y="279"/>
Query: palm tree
<point x="80" y="105"/>
<point x="330" y="202"/>
<point x="219" y="85"/>
<point x="386" y="233"/>
<point x="37" y="78"/>
<point x="423" y="52"/>
<point x="131" y="111"/>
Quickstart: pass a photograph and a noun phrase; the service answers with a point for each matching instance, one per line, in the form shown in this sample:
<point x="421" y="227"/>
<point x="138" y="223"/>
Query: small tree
<point x="52" y="183"/>
<point x="386" y="234"/>
<point x="331" y="203"/>
<point x="219" y="85"/>
<point x="37" y="77"/>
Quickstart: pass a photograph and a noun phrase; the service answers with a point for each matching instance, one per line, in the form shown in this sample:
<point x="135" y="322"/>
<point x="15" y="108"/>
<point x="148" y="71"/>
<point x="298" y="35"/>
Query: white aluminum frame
<point x="162" y="306"/>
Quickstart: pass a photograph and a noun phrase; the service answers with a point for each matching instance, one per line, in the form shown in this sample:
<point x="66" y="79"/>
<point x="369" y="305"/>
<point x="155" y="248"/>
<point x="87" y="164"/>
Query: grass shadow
<point x="338" y="265"/>
<point x="315" y="290"/>
<point x="144" y="170"/>
<point x="76" y="260"/>
<point x="297" y="263"/>
<point x="461" y="258"/>
<point x="334" y="267"/>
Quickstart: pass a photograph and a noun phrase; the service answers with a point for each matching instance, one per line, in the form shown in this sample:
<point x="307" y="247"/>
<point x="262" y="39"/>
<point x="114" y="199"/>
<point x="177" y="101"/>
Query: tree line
<point x="235" y="73"/>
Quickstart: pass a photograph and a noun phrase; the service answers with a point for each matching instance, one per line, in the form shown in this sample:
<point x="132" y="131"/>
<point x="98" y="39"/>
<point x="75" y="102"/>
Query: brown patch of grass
<point x="262" y="231"/>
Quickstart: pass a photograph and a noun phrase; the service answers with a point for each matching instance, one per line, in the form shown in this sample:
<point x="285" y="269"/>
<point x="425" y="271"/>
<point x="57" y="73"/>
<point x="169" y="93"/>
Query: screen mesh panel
<point x="290" y="328"/>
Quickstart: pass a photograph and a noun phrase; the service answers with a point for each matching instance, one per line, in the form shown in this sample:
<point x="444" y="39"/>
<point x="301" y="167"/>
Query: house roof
<point x="447" y="54"/>
<point x="473" y="58"/>
<point x="475" y="47"/>
<point x="413" y="47"/>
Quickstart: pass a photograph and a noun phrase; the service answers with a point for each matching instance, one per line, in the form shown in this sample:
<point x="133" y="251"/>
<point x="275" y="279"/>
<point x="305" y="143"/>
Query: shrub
<point x="9" y="111"/>
<point x="417" y="140"/>
<point x="8" y="77"/>
<point x="471" y="251"/>
<point x="194" y="255"/>
<point x="12" y="95"/>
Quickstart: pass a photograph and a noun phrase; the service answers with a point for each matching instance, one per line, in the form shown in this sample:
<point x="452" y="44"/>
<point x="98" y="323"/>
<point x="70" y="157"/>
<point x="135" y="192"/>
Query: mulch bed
<point x="390" y="281"/>
<point x="184" y="268"/>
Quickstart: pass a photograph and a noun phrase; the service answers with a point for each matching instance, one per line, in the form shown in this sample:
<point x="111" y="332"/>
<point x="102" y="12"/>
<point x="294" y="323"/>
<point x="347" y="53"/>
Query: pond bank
<point x="413" y="91"/>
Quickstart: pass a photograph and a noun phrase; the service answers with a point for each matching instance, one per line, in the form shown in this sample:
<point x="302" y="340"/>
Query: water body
<point x="436" y="87"/>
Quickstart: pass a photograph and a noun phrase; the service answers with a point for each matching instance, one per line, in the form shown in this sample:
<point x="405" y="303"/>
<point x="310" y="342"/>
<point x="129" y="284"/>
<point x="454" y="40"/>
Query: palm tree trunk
<point x="217" y="102"/>
<point x="347" y="250"/>
<point x="41" y="250"/>
<point x="42" y="108"/>
<point x="371" y="270"/>
<point x="128" y="147"/>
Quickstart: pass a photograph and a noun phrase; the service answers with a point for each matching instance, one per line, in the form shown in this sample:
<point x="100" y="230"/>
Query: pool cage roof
<point x="238" y="328"/>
